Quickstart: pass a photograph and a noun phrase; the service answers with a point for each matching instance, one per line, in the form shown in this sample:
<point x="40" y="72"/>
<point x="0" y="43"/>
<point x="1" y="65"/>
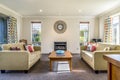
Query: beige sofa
<point x="95" y="59"/>
<point x="17" y="60"/>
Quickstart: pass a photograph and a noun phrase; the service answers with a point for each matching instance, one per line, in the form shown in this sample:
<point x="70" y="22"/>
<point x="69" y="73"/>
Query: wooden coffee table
<point x="67" y="57"/>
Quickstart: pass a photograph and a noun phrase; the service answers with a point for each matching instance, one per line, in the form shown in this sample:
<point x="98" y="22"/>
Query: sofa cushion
<point x="90" y="54"/>
<point x="117" y="48"/>
<point x="37" y="48"/>
<point x="102" y="46"/>
<point x="7" y="46"/>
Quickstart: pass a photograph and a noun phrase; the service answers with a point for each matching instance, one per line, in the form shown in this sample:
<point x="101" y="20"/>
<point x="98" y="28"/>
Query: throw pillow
<point x="88" y="47"/>
<point x="30" y="48"/>
<point x="93" y="48"/>
<point x="117" y="48"/>
<point x="106" y="48"/>
<point x="17" y="48"/>
<point x="14" y="48"/>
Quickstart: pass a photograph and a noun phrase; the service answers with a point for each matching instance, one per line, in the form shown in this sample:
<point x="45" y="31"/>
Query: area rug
<point x="61" y="67"/>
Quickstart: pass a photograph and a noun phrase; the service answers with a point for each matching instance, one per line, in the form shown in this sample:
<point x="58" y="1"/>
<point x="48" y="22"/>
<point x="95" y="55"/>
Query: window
<point x="36" y="33"/>
<point x="111" y="29"/>
<point x="3" y="30"/>
<point x="115" y="29"/>
<point x="84" y="31"/>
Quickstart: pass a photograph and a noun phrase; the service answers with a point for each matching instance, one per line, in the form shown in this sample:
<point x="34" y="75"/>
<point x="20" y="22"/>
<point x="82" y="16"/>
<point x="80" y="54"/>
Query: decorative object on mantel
<point x="60" y="26"/>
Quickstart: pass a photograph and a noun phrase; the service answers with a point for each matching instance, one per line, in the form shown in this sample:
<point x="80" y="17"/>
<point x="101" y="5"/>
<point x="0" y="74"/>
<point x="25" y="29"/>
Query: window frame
<point x="88" y="30"/>
<point x="32" y="32"/>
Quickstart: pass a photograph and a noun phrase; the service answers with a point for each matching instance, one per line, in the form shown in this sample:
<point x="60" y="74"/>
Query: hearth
<point x="60" y="46"/>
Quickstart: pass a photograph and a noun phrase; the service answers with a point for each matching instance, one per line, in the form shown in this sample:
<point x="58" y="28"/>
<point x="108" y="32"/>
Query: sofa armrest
<point x="99" y="62"/>
<point x="109" y="51"/>
<point x="83" y="47"/>
<point x="37" y="48"/>
<point x="14" y="60"/>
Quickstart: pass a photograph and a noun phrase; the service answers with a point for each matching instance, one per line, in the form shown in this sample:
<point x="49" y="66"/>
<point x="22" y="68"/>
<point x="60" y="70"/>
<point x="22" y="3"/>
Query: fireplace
<point x="60" y="46"/>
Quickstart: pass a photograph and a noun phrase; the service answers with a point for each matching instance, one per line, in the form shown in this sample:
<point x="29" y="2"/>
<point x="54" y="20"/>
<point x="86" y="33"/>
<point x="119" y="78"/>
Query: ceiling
<point x="60" y="7"/>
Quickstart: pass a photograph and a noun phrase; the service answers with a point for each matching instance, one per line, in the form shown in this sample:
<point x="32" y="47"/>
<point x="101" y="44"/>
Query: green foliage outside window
<point x="83" y="37"/>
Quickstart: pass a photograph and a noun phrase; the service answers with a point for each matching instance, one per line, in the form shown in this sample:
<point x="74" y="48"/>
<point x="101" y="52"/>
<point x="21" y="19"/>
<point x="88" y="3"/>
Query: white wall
<point x="48" y="35"/>
<point x="5" y="10"/>
<point x="102" y="18"/>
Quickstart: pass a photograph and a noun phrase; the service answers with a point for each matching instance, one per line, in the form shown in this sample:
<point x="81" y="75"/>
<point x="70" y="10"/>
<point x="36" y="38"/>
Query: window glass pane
<point x="3" y="30"/>
<point x="36" y="33"/>
<point x="84" y="30"/>
<point x="115" y="30"/>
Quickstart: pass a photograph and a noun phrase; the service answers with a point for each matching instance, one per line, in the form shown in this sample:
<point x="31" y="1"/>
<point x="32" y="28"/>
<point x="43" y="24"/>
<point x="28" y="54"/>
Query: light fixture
<point x="41" y="10"/>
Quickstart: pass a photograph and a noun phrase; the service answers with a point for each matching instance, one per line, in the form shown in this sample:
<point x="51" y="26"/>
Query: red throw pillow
<point x="93" y="48"/>
<point x="17" y="48"/>
<point x="12" y="48"/>
<point x="30" y="48"/>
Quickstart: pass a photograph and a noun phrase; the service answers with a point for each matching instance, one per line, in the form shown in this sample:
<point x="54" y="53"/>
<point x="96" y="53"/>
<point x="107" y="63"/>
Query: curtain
<point x="3" y="30"/>
<point x="108" y="30"/>
<point x="12" y="30"/>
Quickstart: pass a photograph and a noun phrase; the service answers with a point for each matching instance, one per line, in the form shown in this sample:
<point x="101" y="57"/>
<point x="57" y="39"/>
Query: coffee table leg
<point x="70" y="64"/>
<point x="50" y="65"/>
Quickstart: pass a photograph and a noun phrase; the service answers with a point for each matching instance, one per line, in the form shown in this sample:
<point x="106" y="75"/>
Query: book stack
<point x="60" y="52"/>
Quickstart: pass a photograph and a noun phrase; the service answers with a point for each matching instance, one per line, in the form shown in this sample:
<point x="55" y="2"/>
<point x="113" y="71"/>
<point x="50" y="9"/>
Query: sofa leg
<point x="96" y="71"/>
<point x="2" y="71"/>
<point x="81" y="58"/>
<point x="25" y="71"/>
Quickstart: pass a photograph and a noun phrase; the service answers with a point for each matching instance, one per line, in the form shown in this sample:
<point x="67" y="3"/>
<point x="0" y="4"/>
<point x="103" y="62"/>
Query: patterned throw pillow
<point x="15" y="48"/>
<point x="91" y="47"/>
<point x="30" y="48"/>
<point x="106" y="48"/>
<point x="88" y="47"/>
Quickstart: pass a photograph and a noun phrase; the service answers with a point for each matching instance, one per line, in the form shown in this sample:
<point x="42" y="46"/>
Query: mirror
<point x="60" y="26"/>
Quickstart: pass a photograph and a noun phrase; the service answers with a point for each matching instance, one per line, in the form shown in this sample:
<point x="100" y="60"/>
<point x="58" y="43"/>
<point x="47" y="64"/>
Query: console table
<point x="113" y="66"/>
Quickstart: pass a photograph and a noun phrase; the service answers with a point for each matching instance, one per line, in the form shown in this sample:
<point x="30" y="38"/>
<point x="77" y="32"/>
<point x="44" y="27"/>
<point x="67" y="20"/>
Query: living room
<point x="69" y="14"/>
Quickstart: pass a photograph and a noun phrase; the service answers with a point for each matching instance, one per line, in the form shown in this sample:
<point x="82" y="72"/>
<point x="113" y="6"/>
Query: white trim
<point x="59" y="17"/>
<point x="5" y="7"/>
<point x="111" y="11"/>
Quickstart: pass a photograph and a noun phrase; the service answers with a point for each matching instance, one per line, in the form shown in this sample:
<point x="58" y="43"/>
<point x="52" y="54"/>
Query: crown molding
<point x="8" y="9"/>
<point x="76" y="17"/>
<point x="110" y="11"/>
